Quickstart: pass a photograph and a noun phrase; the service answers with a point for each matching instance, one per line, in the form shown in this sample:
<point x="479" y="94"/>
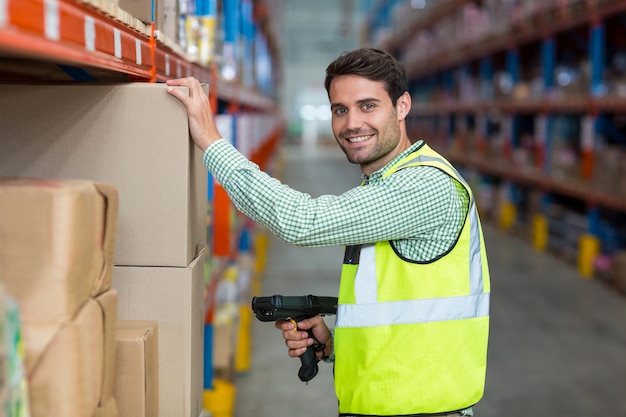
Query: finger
<point x="190" y="82"/>
<point x="284" y="325"/>
<point x="294" y="353"/>
<point x="290" y="335"/>
<point x="298" y="344"/>
<point x="309" y="323"/>
<point x="298" y="337"/>
<point x="181" y="81"/>
<point x="179" y="94"/>
<point x="196" y="87"/>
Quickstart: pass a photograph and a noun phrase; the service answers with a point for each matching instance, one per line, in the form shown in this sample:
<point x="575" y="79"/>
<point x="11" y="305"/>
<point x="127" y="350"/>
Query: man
<point x="413" y="316"/>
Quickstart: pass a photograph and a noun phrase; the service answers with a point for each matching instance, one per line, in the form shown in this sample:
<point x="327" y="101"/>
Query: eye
<point x="368" y="106"/>
<point x="340" y="110"/>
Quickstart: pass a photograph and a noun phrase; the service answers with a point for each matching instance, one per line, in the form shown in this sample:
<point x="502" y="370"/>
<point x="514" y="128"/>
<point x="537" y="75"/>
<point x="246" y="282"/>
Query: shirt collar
<point x="378" y="174"/>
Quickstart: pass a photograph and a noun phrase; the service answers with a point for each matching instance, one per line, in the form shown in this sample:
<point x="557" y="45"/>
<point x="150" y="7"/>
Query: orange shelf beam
<point x="71" y="33"/>
<point x="77" y="34"/>
<point x="74" y="33"/>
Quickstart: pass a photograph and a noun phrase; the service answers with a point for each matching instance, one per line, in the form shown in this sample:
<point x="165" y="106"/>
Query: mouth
<point x="358" y="139"/>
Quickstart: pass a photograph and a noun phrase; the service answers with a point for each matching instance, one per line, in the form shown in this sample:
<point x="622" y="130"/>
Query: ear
<point x="403" y="105"/>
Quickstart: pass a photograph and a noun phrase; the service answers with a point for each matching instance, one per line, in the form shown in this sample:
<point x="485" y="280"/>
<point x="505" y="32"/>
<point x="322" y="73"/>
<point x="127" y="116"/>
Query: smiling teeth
<point x="358" y="139"/>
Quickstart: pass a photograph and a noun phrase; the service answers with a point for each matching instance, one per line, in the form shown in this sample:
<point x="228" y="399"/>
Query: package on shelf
<point x="139" y="9"/>
<point x="446" y="32"/>
<point x="164" y="14"/>
<point x="132" y="135"/>
<point x="167" y="19"/>
<point x="467" y="87"/>
<point x="418" y="48"/>
<point x="113" y="10"/>
<point x="564" y="229"/>
<point x="528" y="89"/>
<point x="252" y="131"/>
<point x="136" y="387"/>
<point x="475" y="23"/>
<point x="496" y="142"/>
<point x="87" y="343"/>
<point x="532" y="8"/>
<point x="499" y="12"/>
<point x="56" y="261"/>
<point x="66" y="379"/>
<point x="565" y="154"/>
<point x="201" y="38"/>
<point x="108" y="409"/>
<point x="503" y="85"/>
<point x="173" y="297"/>
<point x="225" y="328"/>
<point x="58" y="241"/>
<point x="406" y="14"/>
<point x="565" y="163"/>
<point x="403" y="15"/>
<point x="108" y="304"/>
<point x="107" y="6"/>
<point x="610" y="172"/>
<point x="523" y="154"/>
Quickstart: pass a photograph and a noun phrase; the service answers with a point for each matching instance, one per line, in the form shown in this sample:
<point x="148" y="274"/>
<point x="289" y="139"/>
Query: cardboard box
<point x="174" y="298"/>
<point x="66" y="380"/>
<point x="137" y="369"/>
<point x="108" y="409"/>
<point x="132" y="135"/>
<point x="168" y="18"/>
<point x="57" y="244"/>
<point x="108" y="306"/>
<point x="43" y="345"/>
<point x="139" y="9"/>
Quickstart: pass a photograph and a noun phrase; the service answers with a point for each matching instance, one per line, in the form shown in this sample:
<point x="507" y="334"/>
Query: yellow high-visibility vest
<point x="411" y="337"/>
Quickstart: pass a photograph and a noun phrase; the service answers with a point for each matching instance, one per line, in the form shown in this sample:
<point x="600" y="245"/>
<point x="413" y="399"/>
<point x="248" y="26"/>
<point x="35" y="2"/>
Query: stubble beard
<point x="380" y="149"/>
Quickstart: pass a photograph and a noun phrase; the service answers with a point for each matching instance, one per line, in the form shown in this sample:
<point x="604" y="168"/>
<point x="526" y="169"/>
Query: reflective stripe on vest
<point x="413" y="311"/>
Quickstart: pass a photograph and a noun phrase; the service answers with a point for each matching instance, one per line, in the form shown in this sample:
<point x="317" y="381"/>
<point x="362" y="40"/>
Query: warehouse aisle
<point x="558" y="342"/>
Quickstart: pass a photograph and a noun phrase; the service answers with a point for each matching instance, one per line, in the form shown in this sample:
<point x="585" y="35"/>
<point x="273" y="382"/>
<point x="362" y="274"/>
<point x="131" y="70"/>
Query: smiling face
<point x="367" y="126"/>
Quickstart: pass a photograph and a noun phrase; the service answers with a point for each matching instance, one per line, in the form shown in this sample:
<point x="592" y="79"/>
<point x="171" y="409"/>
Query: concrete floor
<point x="557" y="344"/>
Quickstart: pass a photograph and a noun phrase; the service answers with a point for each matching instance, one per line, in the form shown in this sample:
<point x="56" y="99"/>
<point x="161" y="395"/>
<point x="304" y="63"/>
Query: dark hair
<point x="373" y="64"/>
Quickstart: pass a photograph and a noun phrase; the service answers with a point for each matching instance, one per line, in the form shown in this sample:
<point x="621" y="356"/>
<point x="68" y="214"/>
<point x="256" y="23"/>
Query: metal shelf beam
<point x="78" y="34"/>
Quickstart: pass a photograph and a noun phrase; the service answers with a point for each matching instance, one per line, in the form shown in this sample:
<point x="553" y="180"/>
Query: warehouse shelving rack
<point x="485" y="131"/>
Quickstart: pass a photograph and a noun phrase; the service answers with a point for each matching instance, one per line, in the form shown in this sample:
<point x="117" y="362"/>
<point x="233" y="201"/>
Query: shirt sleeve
<point x="397" y="207"/>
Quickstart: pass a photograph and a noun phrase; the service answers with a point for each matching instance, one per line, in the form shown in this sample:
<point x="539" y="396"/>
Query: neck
<point x="403" y="145"/>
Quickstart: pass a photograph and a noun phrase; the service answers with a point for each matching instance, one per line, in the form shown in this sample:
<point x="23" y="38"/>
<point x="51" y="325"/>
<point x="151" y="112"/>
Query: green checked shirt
<point x="421" y="209"/>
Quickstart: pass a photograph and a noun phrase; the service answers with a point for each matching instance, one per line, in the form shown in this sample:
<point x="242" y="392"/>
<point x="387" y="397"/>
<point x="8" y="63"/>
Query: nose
<point x="353" y="120"/>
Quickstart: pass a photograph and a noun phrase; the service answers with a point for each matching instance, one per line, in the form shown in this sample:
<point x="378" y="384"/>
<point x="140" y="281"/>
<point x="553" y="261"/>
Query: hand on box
<point x="201" y="124"/>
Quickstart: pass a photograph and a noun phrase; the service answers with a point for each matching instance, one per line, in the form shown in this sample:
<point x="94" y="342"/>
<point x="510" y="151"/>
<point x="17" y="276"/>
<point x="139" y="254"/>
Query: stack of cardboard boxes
<point x="56" y="261"/>
<point x="135" y="137"/>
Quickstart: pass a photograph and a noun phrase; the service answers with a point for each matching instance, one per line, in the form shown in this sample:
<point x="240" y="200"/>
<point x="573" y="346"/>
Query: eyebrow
<point x="362" y="101"/>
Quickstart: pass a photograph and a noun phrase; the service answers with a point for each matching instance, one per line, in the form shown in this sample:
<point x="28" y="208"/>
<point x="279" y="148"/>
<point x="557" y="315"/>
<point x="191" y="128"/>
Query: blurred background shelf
<point x="528" y="99"/>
